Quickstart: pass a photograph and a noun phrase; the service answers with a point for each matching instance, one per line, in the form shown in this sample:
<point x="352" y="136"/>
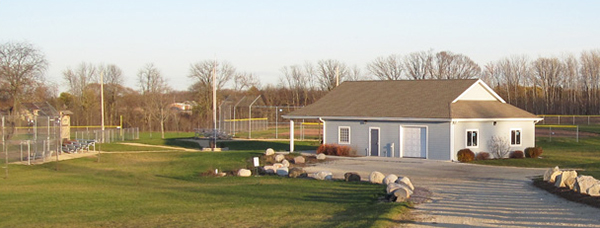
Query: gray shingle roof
<point x="405" y="99"/>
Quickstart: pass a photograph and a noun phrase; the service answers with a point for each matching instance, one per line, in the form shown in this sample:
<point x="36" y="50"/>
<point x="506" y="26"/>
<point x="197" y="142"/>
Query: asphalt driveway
<point x="465" y="195"/>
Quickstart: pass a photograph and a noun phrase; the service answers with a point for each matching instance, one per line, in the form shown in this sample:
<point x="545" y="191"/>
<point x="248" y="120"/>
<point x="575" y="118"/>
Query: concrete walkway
<point x="466" y="195"/>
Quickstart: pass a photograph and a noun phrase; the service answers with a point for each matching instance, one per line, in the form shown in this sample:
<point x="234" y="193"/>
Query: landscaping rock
<point x="394" y="186"/>
<point x="583" y="182"/>
<point x="284" y="171"/>
<point x="390" y="179"/>
<point x="566" y="179"/>
<point x="269" y="152"/>
<point x="553" y="172"/>
<point x="279" y="157"/>
<point x="594" y="190"/>
<point x="321" y="156"/>
<point x="400" y="195"/>
<point x="406" y="181"/>
<point x="244" y="173"/>
<point x="221" y="174"/>
<point x="278" y="165"/>
<point x="299" y="160"/>
<point x="351" y="176"/>
<point x="285" y="163"/>
<point x="323" y="175"/>
<point x="269" y="169"/>
<point x="297" y="172"/>
<point x="376" y="177"/>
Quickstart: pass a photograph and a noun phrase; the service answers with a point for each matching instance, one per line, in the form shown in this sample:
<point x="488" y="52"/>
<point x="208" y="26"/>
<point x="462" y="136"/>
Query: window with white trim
<point x="472" y="138"/>
<point x="344" y="135"/>
<point x="515" y="137"/>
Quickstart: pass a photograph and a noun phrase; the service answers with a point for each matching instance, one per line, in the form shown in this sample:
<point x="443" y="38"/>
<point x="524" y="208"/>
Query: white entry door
<point x="414" y="142"/>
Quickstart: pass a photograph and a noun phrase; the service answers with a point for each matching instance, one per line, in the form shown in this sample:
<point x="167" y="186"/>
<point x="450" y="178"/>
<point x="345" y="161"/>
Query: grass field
<point x="564" y="152"/>
<point x="167" y="190"/>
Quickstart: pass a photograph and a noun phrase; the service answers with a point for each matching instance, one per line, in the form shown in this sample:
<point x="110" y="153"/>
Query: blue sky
<point x="261" y="37"/>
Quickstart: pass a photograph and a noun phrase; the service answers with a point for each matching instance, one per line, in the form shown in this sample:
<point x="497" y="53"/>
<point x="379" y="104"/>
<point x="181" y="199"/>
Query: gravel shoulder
<point x="466" y="195"/>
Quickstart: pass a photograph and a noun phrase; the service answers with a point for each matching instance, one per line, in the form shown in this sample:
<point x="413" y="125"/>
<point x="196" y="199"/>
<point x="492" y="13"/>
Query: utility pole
<point x="214" y="96"/>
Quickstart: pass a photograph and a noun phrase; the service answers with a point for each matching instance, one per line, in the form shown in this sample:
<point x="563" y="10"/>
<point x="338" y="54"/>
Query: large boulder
<point x="269" y="169"/>
<point x="284" y="171"/>
<point x="269" y="152"/>
<point x="550" y="174"/>
<point x="279" y="157"/>
<point x="390" y="179"/>
<point x="285" y="163"/>
<point x="299" y="160"/>
<point x="244" y="173"/>
<point x="278" y="165"/>
<point x="323" y="175"/>
<point x="594" y="190"/>
<point x="376" y="177"/>
<point x="321" y="156"/>
<point x="566" y="179"/>
<point x="400" y="195"/>
<point x="297" y="172"/>
<point x="583" y="182"/>
<point x="351" y="176"/>
<point x="394" y="186"/>
<point x="407" y="182"/>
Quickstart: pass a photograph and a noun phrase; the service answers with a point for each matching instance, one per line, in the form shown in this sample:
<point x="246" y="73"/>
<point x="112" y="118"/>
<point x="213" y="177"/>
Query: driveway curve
<point x="466" y="195"/>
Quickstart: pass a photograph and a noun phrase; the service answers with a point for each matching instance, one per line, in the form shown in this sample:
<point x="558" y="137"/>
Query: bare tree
<point x="202" y="72"/>
<point x="79" y="81"/>
<point x="243" y="81"/>
<point x="22" y="69"/>
<point x="590" y="75"/>
<point x="417" y="65"/>
<point x="548" y="73"/>
<point x="387" y="68"/>
<point x="330" y="72"/>
<point x="154" y="89"/>
<point x="447" y="65"/>
<point x="113" y="89"/>
<point x="355" y="74"/>
<point x="298" y="80"/>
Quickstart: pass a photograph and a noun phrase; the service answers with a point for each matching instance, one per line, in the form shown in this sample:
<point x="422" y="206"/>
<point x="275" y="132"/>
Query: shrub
<point x="499" y="146"/>
<point x="517" y="154"/>
<point x="482" y="156"/>
<point x="533" y="152"/>
<point x="334" y="149"/>
<point x="465" y="155"/>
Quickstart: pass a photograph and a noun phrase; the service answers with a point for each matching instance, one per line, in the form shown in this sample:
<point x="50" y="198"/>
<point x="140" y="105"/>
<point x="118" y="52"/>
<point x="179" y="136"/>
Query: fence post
<point x="28" y="152"/>
<point x="550" y="134"/>
<point x="573" y="119"/>
<point x="5" y="151"/>
<point x="577" y="133"/>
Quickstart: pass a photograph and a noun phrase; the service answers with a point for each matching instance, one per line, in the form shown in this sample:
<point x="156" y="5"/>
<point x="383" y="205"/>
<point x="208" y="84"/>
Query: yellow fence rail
<point x="248" y="119"/>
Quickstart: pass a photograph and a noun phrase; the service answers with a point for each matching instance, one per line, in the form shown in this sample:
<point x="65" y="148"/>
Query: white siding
<point x="487" y="129"/>
<point x="477" y="93"/>
<point x="438" y="137"/>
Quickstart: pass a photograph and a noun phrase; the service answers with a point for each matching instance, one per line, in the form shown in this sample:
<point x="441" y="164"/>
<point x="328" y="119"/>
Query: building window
<point x="472" y="138"/>
<point x="344" y="135"/>
<point x="515" y="137"/>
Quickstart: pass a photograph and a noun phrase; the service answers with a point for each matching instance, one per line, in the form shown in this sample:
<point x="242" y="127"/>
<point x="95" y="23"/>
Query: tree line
<point x="546" y="85"/>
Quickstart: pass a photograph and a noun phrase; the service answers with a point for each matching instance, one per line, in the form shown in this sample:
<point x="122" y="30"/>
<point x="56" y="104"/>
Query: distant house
<point x="430" y="119"/>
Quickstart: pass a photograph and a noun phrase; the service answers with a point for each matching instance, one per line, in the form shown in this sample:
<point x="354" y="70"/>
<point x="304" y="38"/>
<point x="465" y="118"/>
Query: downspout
<point x="324" y="130"/>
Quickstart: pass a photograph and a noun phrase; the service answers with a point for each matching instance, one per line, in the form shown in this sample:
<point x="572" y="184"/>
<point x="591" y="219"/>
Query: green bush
<point x="482" y="156"/>
<point x="465" y="155"/>
<point x="517" y="154"/>
<point x="533" y="152"/>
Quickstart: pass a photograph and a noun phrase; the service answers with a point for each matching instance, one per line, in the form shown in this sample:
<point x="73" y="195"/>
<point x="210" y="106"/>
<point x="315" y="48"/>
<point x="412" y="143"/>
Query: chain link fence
<point x="29" y="139"/>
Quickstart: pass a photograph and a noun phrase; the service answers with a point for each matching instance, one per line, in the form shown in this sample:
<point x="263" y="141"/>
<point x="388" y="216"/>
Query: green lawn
<point x="562" y="152"/>
<point x="167" y="190"/>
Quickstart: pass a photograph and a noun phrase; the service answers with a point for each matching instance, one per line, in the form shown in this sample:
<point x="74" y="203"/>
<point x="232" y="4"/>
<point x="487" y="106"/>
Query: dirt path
<point x="158" y="146"/>
<point x="472" y="195"/>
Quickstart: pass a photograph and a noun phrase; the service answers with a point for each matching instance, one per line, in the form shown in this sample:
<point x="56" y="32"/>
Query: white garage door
<point x="414" y="142"/>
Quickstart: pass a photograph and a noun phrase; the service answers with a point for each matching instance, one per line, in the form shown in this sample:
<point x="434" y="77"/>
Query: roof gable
<point x="479" y="91"/>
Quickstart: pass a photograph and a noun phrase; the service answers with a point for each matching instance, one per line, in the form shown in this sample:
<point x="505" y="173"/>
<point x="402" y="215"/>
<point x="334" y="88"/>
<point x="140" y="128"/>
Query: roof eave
<point x="369" y="118"/>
